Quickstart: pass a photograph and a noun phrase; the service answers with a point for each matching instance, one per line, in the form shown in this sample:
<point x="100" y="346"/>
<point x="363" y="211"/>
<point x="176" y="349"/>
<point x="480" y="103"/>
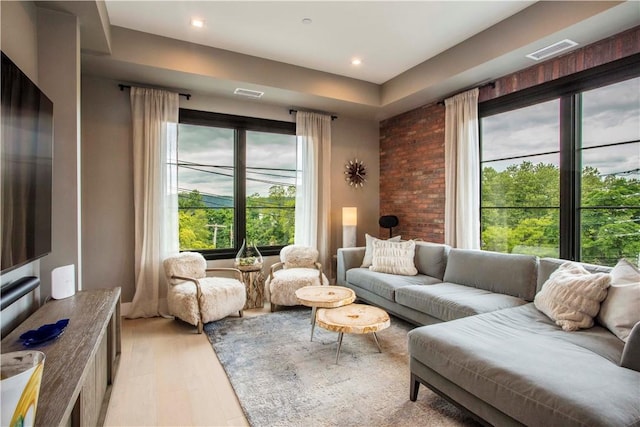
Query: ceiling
<point x="412" y="53"/>
<point x="389" y="37"/>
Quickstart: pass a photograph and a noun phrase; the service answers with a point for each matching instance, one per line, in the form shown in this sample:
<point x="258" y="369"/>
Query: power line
<point x="635" y="171"/>
<point x="197" y="167"/>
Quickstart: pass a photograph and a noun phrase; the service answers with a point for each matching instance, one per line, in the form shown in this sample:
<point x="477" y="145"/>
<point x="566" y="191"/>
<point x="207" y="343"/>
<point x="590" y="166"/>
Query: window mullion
<point x="577" y="184"/>
<point x="569" y="176"/>
<point x="240" y="185"/>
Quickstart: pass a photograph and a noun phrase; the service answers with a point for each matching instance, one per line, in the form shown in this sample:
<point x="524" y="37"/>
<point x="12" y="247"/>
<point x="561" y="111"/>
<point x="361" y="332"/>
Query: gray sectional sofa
<point x="489" y="350"/>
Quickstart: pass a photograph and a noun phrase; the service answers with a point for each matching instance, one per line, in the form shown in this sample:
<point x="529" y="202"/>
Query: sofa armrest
<point x="348" y="258"/>
<point x="631" y="353"/>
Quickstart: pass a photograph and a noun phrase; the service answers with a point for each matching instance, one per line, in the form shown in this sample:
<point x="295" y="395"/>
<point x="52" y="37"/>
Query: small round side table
<point x="253" y="280"/>
<point x="354" y="319"/>
<point x="324" y="297"/>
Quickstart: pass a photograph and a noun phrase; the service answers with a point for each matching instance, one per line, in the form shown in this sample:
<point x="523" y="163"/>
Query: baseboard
<point x="125" y="307"/>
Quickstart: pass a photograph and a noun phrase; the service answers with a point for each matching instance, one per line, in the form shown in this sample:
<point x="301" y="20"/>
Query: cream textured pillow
<point x="620" y="311"/>
<point x="368" y="250"/>
<point x="571" y="296"/>
<point x="394" y="257"/>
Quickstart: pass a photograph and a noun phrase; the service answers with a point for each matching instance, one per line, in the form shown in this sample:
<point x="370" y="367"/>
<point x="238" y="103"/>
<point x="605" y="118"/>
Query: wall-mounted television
<point x="26" y="157"/>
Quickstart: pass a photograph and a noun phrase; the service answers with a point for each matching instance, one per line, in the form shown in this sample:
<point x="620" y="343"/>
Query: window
<point x="610" y="191"/>
<point x="521" y="181"/>
<point x="236" y="178"/>
<point x="561" y="177"/>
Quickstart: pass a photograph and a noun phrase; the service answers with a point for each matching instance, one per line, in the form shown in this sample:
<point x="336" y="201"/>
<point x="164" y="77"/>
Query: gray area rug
<point x="283" y="379"/>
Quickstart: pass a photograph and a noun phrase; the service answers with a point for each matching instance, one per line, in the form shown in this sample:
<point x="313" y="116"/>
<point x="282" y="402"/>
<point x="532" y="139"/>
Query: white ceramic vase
<point x="20" y="387"/>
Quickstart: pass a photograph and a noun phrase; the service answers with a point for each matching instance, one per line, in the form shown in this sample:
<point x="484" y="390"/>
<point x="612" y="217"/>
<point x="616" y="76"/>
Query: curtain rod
<point x="123" y="87"/>
<point x="492" y="84"/>
<point x="295" y="111"/>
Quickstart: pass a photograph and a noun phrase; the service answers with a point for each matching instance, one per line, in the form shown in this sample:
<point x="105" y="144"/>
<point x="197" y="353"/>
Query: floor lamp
<point x="349" y="224"/>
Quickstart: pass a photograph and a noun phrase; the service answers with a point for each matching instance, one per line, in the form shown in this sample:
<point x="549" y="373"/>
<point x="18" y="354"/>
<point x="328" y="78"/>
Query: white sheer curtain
<point x="155" y="118"/>
<point x="462" y="171"/>
<point x="313" y="190"/>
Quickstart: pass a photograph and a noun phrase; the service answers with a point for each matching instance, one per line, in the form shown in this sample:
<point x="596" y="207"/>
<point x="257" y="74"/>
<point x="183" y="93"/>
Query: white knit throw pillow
<point x="368" y="250"/>
<point x="394" y="257"/>
<point x="572" y="296"/>
<point x="620" y="311"/>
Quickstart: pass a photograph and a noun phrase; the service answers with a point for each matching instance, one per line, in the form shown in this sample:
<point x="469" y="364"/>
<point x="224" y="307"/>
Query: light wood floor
<point x="170" y="376"/>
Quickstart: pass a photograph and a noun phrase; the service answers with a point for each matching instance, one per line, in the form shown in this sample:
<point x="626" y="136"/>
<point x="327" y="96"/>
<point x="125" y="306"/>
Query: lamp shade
<point x="349" y="225"/>
<point x="349" y="216"/>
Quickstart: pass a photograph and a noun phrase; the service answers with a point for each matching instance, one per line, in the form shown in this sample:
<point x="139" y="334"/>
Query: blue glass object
<point x="44" y="333"/>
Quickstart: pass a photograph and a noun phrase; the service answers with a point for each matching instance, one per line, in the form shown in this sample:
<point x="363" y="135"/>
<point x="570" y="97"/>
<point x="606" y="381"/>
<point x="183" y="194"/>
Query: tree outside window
<point x="235" y="182"/>
<point x="523" y="189"/>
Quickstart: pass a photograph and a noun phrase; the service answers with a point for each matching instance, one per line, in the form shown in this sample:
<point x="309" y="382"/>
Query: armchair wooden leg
<point x="273" y="307"/>
<point x="240" y="312"/>
<point x="200" y="327"/>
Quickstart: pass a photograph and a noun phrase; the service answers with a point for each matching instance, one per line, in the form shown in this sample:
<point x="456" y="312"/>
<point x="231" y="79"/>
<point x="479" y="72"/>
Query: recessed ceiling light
<point x="552" y="49"/>
<point x="198" y="23"/>
<point x="307" y="21"/>
<point x="356" y="61"/>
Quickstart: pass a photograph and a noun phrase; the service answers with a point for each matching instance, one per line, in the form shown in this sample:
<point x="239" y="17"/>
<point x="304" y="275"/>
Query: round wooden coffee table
<point x="324" y="297"/>
<point x="354" y="319"/>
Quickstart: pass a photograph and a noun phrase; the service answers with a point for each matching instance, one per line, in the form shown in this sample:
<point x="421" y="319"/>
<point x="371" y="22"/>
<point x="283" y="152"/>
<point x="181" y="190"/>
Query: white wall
<point x="107" y="187"/>
<point x="107" y="183"/>
<point x="18" y="40"/>
<point x="59" y="78"/>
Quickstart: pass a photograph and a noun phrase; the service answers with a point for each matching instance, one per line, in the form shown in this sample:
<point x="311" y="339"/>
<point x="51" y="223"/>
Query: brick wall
<point x="412" y="143"/>
<point x="412" y="172"/>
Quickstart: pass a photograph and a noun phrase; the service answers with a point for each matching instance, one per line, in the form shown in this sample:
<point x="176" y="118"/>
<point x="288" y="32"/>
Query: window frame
<point x="240" y="125"/>
<point x="568" y="90"/>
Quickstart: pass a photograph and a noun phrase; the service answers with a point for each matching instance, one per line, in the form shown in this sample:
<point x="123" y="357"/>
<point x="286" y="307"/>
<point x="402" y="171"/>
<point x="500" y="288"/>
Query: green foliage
<point x="609" y="234"/>
<point x="531" y="223"/>
<point x="270" y="220"/>
<point x="192" y="222"/>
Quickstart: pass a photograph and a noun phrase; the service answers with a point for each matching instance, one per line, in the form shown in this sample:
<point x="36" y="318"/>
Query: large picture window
<point x="236" y="180"/>
<point x="561" y="177"/>
<point x="521" y="180"/>
<point x="610" y="173"/>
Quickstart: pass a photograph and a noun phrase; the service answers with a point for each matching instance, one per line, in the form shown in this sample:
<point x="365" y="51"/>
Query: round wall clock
<point x="355" y="173"/>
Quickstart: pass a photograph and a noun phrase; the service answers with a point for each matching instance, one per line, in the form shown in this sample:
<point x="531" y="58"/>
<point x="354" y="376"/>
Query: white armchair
<point x="198" y="299"/>
<point x="298" y="267"/>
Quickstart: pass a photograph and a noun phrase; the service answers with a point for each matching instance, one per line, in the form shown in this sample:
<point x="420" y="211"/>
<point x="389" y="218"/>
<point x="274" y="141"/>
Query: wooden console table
<point x="81" y="364"/>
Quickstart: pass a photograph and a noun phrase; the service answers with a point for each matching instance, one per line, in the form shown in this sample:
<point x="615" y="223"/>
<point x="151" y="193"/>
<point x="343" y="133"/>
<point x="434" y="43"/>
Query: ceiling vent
<point x="551" y="50"/>
<point x="248" y="93"/>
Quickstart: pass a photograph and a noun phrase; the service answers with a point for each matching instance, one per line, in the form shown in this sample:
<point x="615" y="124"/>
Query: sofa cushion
<point x="383" y="284"/>
<point x="431" y="258"/>
<point x="394" y="257"/>
<point x="572" y="296"/>
<point x="368" y="250"/>
<point x="521" y="363"/>
<point x="631" y="352"/>
<point x="620" y="311"/>
<point x="546" y="266"/>
<point x="449" y="301"/>
<point x="509" y="274"/>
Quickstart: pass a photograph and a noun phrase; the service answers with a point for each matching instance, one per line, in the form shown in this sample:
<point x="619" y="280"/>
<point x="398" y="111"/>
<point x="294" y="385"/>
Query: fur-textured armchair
<point x="198" y="299"/>
<point x="298" y="267"/>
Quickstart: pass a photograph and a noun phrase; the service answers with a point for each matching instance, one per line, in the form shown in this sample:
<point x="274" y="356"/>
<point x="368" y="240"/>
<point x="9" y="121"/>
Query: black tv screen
<point x="26" y="152"/>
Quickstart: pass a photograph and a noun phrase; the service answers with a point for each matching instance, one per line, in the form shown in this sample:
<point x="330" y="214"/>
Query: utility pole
<point x="215" y="233"/>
